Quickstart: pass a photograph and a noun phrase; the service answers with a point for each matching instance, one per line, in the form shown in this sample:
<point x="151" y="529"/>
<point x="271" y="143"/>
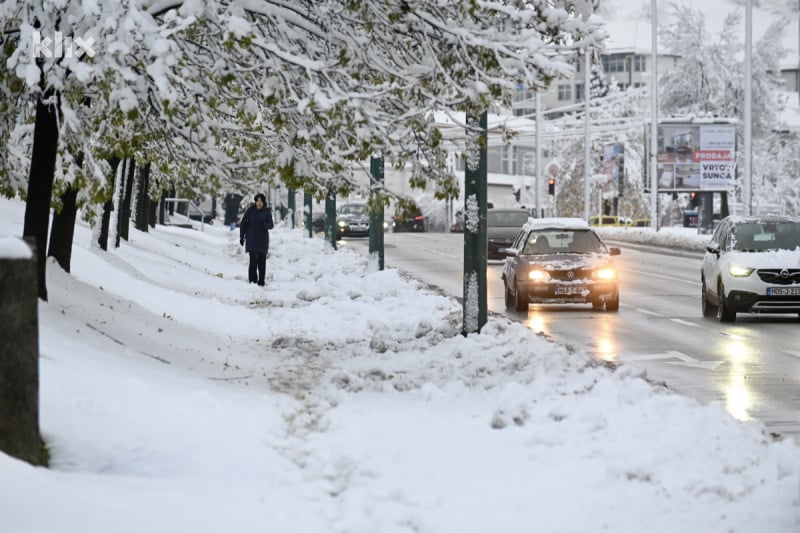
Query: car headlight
<point x="739" y="271"/>
<point x="342" y="223"/>
<point x="605" y="274"/>
<point x="538" y="275"/>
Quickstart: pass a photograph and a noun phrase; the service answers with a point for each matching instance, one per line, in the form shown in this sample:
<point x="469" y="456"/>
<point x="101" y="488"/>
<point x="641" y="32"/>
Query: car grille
<point x="571" y="275"/>
<point x="780" y="276"/>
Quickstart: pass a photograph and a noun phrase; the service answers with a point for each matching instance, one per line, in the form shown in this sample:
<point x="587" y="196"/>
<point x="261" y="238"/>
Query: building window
<point x="495" y="158"/>
<point x="639" y="64"/>
<point x="638" y="84"/>
<point x="564" y="92"/>
<point x="579" y="92"/>
<point x="614" y="63"/>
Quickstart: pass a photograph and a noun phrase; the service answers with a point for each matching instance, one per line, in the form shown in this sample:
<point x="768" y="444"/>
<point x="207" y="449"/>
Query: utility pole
<point x="747" y="191"/>
<point x="654" y="122"/>
<point x="538" y="154"/>
<point x="587" y="95"/>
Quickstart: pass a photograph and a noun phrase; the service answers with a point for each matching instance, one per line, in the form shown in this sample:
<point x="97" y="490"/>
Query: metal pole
<point x="538" y="178"/>
<point x="748" y="110"/>
<point x="654" y="121"/>
<point x="376" y="248"/>
<point x="291" y="205"/>
<point x="331" y="229"/>
<point x="308" y="202"/>
<point x="475" y="310"/>
<point x="587" y="94"/>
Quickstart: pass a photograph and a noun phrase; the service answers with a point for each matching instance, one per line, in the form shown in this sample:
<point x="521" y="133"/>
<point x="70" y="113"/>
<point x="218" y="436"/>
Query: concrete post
<point x="19" y="352"/>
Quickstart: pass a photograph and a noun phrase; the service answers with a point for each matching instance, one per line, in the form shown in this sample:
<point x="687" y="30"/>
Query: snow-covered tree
<point x="301" y="91"/>
<point x="710" y="80"/>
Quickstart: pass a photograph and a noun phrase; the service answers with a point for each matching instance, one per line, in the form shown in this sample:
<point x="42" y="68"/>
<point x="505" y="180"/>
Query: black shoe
<point x="261" y="283"/>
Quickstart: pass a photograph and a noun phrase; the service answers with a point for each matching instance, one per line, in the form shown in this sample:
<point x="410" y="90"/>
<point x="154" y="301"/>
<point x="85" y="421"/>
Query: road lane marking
<point x="646" y="312"/>
<point x="684" y="322"/>
<point x="683" y="360"/>
<point x="661" y="276"/>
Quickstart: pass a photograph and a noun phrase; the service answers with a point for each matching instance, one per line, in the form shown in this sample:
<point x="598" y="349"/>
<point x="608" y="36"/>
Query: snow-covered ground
<point x="177" y="397"/>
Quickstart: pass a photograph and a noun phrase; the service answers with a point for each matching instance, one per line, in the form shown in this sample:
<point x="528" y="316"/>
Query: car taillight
<point x="419" y="218"/>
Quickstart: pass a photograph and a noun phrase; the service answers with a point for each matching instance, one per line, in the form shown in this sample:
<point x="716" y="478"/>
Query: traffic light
<point x="551" y="186"/>
<point x="694" y="199"/>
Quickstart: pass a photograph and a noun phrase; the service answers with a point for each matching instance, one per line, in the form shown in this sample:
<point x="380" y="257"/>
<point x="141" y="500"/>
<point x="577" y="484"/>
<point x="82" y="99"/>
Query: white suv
<point x="752" y="265"/>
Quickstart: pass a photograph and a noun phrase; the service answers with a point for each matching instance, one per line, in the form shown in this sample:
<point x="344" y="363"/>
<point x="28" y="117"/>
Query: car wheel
<point x="613" y="305"/>
<point x="520" y="301"/>
<point x="724" y="314"/>
<point x="709" y="310"/>
<point x="509" y="298"/>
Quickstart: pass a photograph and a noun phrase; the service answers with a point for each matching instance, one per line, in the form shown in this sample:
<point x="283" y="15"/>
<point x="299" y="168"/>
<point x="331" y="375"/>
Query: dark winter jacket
<point x="254" y="229"/>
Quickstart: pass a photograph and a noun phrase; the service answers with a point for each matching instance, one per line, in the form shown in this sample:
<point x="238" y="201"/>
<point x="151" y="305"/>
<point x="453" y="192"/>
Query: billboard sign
<point x="696" y="157"/>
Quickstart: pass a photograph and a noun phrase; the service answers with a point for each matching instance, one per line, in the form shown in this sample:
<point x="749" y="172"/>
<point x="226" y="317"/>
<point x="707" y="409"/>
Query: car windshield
<point x="760" y="236"/>
<point x="506" y="219"/>
<point x="352" y="210"/>
<point x="563" y="241"/>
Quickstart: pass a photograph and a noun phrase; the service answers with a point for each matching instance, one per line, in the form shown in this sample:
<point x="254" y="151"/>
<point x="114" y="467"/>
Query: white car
<point x="752" y="265"/>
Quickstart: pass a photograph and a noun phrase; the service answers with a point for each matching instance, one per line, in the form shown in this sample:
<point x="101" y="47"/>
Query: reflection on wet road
<point x="751" y="367"/>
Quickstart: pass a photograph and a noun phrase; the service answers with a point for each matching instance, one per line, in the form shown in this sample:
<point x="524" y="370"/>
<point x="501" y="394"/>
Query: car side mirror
<point x="713" y="248"/>
<point x="614" y="251"/>
<point x="509" y="252"/>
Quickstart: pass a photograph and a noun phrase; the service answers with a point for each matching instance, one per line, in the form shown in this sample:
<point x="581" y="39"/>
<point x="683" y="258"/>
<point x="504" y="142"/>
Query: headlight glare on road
<point x="538" y="275"/>
<point x="605" y="274"/>
<point x="739" y="271"/>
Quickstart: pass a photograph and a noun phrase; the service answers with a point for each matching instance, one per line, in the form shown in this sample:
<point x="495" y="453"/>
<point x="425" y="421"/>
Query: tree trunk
<point x="108" y="207"/>
<point x="63" y="229"/>
<point x="125" y="205"/>
<point x="143" y="213"/>
<point x="19" y="360"/>
<point x="40" y="182"/>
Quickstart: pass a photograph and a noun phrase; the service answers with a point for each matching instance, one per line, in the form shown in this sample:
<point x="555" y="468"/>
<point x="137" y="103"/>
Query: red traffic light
<point x="551" y="186"/>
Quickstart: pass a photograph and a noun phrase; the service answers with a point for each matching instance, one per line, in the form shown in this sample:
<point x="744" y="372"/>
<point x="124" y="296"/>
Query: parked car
<point x="560" y="260"/>
<point x="352" y="220"/>
<point x="752" y="265"/>
<point x="502" y="227"/>
<point x="408" y="221"/>
<point x="318" y="222"/>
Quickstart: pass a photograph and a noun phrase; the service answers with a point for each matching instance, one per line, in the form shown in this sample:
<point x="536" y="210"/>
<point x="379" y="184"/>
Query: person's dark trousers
<point x="258" y="267"/>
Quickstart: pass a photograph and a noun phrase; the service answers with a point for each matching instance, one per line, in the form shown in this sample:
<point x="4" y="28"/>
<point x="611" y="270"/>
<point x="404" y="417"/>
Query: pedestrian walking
<point x="254" y="231"/>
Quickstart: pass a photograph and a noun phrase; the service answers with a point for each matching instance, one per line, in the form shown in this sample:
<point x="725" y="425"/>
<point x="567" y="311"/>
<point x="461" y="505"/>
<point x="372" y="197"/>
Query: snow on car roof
<point x="556" y="223"/>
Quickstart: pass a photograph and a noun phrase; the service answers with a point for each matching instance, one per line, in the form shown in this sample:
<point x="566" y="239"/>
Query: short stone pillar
<point x="19" y="352"/>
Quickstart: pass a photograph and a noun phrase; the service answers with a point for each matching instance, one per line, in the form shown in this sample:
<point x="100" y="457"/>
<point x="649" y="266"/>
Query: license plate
<point x="783" y="291"/>
<point x="570" y="290"/>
